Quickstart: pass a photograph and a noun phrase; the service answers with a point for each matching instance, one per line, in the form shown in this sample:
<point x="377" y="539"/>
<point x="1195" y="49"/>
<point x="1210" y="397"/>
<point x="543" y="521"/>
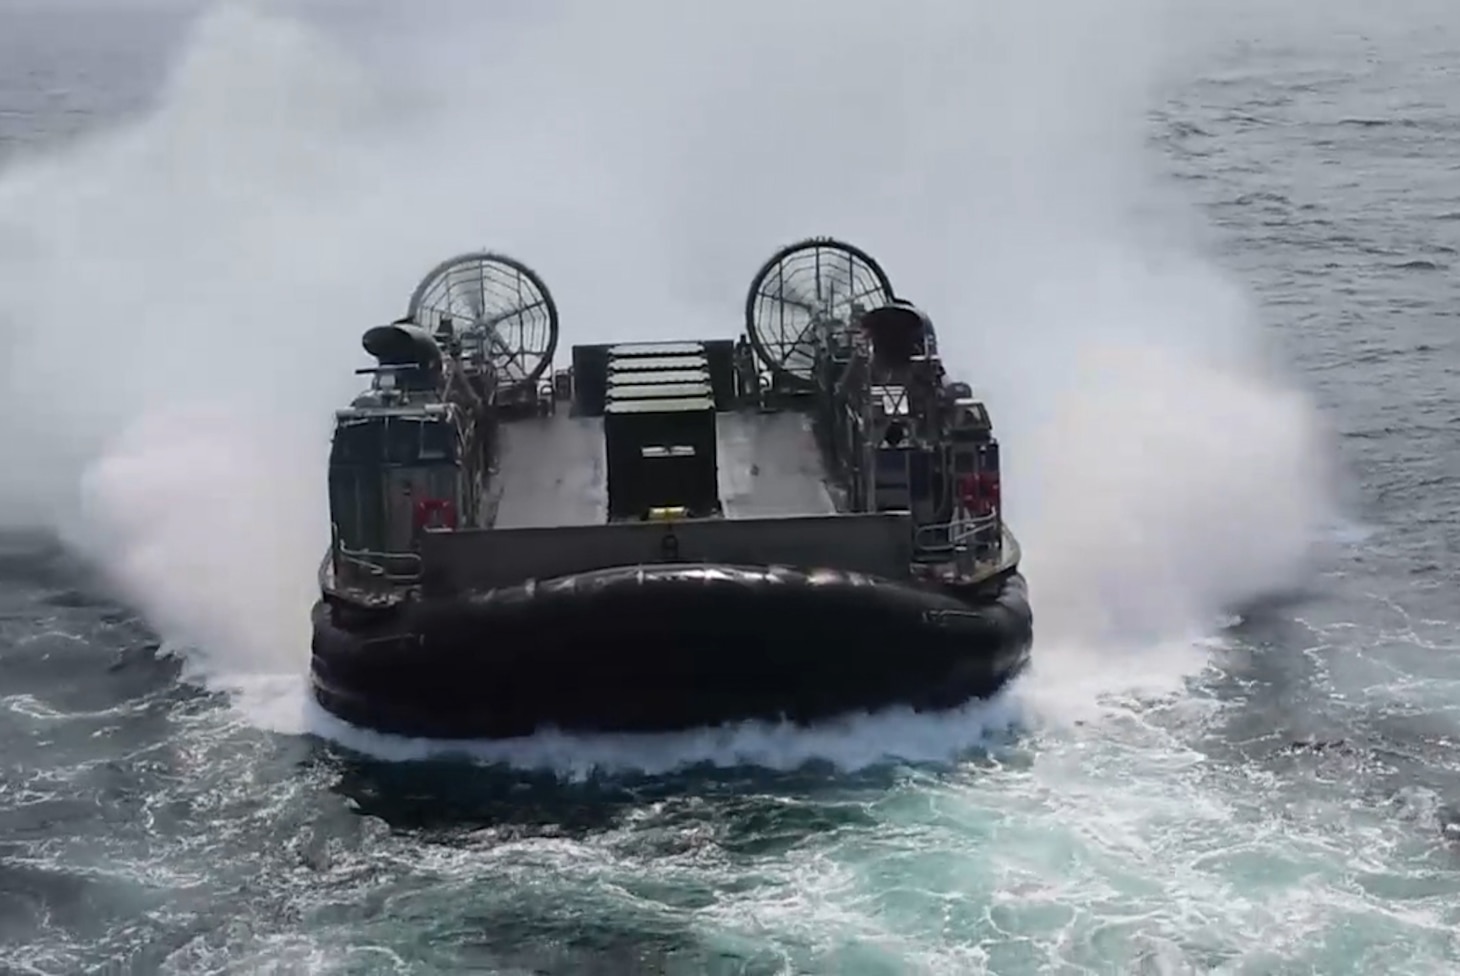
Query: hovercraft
<point x="797" y="524"/>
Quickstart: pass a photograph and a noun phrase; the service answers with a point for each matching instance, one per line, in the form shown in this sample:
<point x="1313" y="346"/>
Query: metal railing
<point x="967" y="544"/>
<point x="369" y="566"/>
<point x="944" y="536"/>
<point x="382" y="566"/>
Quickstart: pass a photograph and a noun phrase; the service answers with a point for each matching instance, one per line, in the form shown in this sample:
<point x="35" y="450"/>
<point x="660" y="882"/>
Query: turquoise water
<point x="1235" y="753"/>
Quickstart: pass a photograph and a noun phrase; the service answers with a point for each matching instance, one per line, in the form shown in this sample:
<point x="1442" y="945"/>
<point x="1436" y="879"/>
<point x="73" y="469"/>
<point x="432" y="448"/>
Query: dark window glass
<point x="438" y="442"/>
<point x="358" y="443"/>
<point x="402" y="440"/>
<point x="393" y="440"/>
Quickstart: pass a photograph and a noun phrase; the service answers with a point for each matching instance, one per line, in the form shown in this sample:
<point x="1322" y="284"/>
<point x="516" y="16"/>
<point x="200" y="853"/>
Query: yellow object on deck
<point x="661" y="514"/>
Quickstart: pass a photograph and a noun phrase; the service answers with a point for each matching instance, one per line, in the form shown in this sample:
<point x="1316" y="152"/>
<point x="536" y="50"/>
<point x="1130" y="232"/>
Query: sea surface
<point x="1285" y="800"/>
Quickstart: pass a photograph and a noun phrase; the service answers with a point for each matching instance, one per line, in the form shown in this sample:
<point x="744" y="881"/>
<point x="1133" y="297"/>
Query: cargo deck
<point x="552" y="469"/>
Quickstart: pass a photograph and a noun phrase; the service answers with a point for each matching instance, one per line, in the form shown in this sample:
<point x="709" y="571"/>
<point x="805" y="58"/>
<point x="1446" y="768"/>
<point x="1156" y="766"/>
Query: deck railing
<point x="367" y="566"/>
<point x="946" y="535"/>
<point x="964" y="541"/>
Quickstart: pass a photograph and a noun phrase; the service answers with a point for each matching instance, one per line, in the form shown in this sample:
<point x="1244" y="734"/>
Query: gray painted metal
<point x="645" y="377"/>
<point x="552" y="469"/>
<point x="637" y="364"/>
<point x="878" y="544"/>
<point x="552" y="472"/>
<point x="657" y="349"/>
<point x="770" y="465"/>
<point x="691" y="404"/>
<point x="658" y="391"/>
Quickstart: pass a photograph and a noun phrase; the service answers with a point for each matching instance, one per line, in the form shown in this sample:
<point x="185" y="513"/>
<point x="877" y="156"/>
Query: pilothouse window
<point x="359" y="443"/>
<point x="436" y="441"/>
<point x="402" y="440"/>
<point x="394" y="440"/>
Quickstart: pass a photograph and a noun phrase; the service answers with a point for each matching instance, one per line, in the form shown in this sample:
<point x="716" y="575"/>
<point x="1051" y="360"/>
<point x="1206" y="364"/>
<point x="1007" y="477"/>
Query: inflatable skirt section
<point x="672" y="647"/>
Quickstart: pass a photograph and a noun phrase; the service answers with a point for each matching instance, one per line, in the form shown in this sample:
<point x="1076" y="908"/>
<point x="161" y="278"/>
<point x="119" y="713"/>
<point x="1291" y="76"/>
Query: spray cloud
<point x="183" y="297"/>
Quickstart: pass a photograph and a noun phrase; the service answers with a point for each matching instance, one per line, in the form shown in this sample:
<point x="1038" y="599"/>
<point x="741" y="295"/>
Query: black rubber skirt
<point x="669" y="647"/>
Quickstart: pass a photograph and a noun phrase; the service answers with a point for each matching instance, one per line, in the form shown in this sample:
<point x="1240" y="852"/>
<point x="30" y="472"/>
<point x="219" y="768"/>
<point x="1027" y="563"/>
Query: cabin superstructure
<point x="401" y="459"/>
<point x="827" y="434"/>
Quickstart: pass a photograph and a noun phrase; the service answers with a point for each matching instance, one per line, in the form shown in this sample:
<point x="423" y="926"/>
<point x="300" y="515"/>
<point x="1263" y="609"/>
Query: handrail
<point x="379" y="564"/>
<point x="949" y="535"/>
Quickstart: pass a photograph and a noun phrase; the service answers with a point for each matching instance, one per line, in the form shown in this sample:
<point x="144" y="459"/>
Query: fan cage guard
<point x="499" y="301"/>
<point x="801" y="286"/>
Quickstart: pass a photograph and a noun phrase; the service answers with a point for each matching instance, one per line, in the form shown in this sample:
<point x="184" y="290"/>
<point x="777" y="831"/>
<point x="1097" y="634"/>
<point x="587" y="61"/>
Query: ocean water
<point x="1200" y="260"/>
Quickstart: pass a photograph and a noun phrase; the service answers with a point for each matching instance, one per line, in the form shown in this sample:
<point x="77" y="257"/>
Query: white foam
<point x="852" y="743"/>
<point x="185" y="295"/>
